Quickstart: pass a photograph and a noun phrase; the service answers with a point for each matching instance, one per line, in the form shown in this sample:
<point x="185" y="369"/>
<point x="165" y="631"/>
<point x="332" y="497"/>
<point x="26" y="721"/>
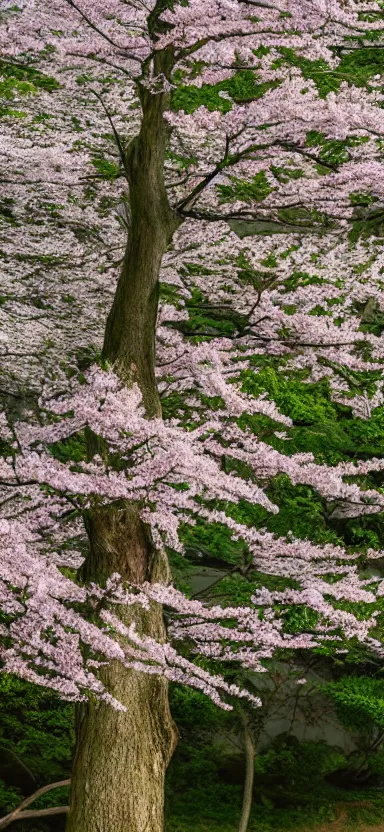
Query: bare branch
<point x="16" y="813"/>
<point x="100" y="31"/>
<point x="227" y="161"/>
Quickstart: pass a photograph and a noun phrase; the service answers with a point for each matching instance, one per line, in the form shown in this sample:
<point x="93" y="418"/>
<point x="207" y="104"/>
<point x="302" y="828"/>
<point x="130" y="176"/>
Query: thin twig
<point x="115" y="133"/>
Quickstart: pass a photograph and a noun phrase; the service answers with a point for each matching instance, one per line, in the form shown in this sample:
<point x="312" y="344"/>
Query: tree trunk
<point x="121" y="758"/>
<point x="249" y="747"/>
<point x="129" y="342"/>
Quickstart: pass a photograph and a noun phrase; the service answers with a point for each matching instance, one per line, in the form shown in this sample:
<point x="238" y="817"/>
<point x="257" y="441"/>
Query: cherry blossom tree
<point x="138" y="478"/>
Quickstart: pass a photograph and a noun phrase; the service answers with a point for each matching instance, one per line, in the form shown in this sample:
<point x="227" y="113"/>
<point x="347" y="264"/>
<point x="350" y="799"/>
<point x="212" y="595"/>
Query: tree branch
<point x="260" y="4"/>
<point x="100" y="31"/>
<point x="294" y="149"/>
<point x="115" y="133"/>
<point x="249" y="216"/>
<point x="183" y="53"/>
<point x="229" y="161"/>
<point x="19" y="813"/>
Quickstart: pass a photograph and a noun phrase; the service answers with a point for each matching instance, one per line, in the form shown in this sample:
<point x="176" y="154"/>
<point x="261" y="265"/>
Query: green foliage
<point x="169" y="293"/>
<point x="195" y="714"/>
<point x="372" y="318"/>
<point x="12" y="87"/>
<point x="299" y="619"/>
<point x="182" y="162"/>
<point x="194" y="792"/>
<point x="303" y="402"/>
<point x="255" y="190"/>
<point x="321" y="426"/>
<point x="370" y="224"/>
<point x="301" y="512"/>
<point x="241" y="88"/>
<point x="6" y="212"/>
<point x="16" y="80"/>
<point x="375" y="763"/>
<point x="204" y="319"/>
<point x="332" y="152"/>
<point x="206" y="776"/>
<point x="285" y="174"/>
<point x="73" y="449"/>
<point x="361" y="198"/>
<point x="360" y="65"/>
<point x="37" y="729"/>
<point x="359" y="701"/>
<point x="214" y="540"/>
<point x="238" y="590"/>
<point x="356" y="67"/>
<point x="298" y="764"/>
<point x="106" y="168"/>
<point x="10" y="797"/>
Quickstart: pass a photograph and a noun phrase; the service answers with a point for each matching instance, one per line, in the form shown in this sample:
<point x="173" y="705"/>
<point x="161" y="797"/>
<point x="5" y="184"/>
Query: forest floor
<point x="344" y="823"/>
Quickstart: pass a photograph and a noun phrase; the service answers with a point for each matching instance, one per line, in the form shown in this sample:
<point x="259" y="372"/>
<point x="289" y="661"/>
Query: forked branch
<point x="20" y="814"/>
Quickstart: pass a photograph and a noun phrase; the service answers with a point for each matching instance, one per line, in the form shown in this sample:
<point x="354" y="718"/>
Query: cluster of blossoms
<point x="50" y="153"/>
<point x="303" y="298"/>
<point x="47" y="635"/>
<point x="297" y="297"/>
<point x="156" y="458"/>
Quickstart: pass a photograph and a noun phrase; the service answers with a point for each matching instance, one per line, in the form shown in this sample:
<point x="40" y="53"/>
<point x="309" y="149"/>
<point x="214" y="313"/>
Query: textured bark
<point x="129" y="342"/>
<point x="121" y="758"/>
<point x="119" y="770"/>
